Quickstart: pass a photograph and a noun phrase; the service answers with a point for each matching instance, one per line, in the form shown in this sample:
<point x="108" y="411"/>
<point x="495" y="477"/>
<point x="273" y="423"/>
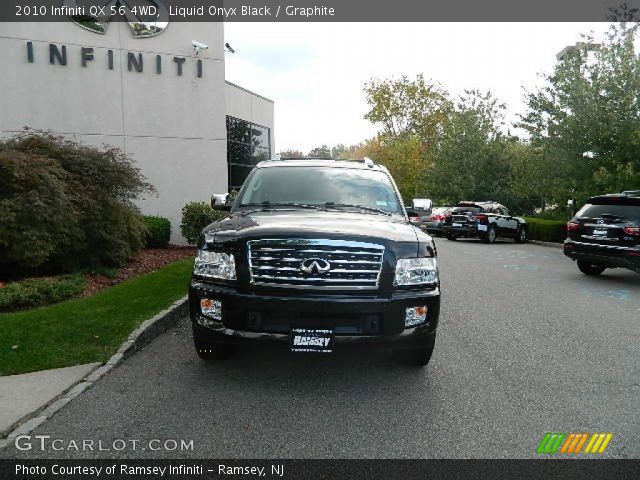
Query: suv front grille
<point x="282" y="263"/>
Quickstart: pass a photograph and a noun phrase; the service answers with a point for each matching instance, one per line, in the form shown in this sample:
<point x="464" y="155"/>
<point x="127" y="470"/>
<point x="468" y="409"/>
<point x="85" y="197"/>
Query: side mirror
<point x="414" y="217"/>
<point x="219" y="202"/>
<point x="423" y="204"/>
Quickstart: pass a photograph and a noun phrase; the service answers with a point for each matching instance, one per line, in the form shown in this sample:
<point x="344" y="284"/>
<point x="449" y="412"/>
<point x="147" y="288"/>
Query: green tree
<point x="404" y="157"/>
<point x="586" y="119"/>
<point x="320" y="152"/>
<point x="471" y="158"/>
<point x="291" y="154"/>
<point x="404" y="107"/>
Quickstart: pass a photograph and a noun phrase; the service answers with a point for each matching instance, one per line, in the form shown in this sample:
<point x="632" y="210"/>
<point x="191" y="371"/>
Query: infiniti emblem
<point x="315" y="265"/>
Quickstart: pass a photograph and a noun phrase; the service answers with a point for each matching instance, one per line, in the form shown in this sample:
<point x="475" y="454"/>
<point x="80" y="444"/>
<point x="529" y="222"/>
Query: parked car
<point x="316" y="254"/>
<point x="434" y="223"/>
<point x="484" y="220"/>
<point x="605" y="233"/>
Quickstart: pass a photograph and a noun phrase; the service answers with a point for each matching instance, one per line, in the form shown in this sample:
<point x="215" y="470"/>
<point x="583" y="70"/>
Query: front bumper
<point x="606" y="255"/>
<point x="354" y="319"/>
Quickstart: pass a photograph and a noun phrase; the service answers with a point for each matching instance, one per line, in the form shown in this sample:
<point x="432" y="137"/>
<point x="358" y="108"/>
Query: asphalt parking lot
<point x="526" y="345"/>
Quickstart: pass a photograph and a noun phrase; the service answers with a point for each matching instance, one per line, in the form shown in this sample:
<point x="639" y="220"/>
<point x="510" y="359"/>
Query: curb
<point x="546" y="244"/>
<point x="144" y="334"/>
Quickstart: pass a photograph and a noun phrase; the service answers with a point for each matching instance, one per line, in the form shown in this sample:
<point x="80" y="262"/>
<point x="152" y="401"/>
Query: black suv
<point x="314" y="254"/>
<point x="484" y="220"/>
<point x="605" y="233"/>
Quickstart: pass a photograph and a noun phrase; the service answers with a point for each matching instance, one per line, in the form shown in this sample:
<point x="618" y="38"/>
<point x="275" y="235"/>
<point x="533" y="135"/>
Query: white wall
<point x="173" y="126"/>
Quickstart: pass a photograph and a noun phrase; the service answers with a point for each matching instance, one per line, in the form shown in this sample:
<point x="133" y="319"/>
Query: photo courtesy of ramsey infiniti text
<point x="316" y="254"/>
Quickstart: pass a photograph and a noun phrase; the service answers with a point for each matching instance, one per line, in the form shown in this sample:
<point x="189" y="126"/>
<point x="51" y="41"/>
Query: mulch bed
<point x="145" y="261"/>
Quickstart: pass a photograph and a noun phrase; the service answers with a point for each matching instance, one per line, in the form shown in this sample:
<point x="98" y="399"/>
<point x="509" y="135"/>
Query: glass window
<point x="259" y="155"/>
<point x="623" y="212"/>
<point x="259" y="136"/>
<point x="238" y="153"/>
<point x="237" y="176"/>
<point x="247" y="145"/>
<point x="238" y="130"/>
<point x="349" y="186"/>
<point x="464" y="209"/>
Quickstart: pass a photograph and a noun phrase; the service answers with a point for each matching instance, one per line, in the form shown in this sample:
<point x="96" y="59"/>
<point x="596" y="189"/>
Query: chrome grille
<point x="353" y="265"/>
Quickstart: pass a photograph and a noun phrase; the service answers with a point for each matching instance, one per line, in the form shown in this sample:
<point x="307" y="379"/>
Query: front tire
<point x="490" y="236"/>
<point x="451" y="237"/>
<point x="415" y="356"/>
<point x="210" y="350"/>
<point x="589" y="268"/>
<point x="521" y="235"/>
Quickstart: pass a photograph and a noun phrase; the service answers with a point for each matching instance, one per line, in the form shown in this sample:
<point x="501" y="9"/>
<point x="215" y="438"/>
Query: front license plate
<point x="600" y="232"/>
<point x="308" y="340"/>
<point x="457" y="224"/>
<point x="482" y="228"/>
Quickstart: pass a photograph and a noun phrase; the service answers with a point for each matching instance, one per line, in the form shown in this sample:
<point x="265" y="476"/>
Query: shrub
<point x="65" y="206"/>
<point x="159" y="231"/>
<point x="546" y="230"/>
<point x="35" y="292"/>
<point x="195" y="217"/>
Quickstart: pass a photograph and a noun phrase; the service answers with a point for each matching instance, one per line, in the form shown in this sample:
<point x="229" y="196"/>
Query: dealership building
<point x="145" y="89"/>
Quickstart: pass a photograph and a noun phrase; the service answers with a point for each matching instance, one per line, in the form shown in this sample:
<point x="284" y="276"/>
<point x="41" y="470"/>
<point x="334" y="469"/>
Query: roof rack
<point x="366" y="160"/>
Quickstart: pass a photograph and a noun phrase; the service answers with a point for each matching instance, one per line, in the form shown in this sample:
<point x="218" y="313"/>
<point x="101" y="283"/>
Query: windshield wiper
<point x="359" y="207"/>
<point x="281" y="204"/>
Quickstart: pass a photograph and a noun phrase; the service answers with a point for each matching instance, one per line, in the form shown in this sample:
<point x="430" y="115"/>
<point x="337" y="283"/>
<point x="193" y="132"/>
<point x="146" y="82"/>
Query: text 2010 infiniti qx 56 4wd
<point x="316" y="254"/>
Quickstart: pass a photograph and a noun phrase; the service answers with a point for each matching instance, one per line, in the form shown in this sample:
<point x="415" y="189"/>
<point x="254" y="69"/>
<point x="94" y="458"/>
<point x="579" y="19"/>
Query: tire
<point x="589" y="268"/>
<point x="451" y="237"/>
<point x="209" y="350"/>
<point x="490" y="236"/>
<point x="521" y="235"/>
<point x="415" y="356"/>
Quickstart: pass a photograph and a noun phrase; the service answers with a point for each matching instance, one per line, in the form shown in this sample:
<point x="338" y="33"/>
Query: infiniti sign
<point x="315" y="265"/>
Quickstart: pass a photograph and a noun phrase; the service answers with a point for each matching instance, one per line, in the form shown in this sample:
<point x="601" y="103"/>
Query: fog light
<point x="211" y="308"/>
<point x="415" y="316"/>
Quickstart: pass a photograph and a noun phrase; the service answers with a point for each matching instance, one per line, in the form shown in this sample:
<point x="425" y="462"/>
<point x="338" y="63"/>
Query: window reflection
<point x="247" y="145"/>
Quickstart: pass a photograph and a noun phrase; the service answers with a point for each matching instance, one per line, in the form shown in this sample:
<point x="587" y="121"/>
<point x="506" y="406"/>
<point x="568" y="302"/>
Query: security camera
<point x="199" y="46"/>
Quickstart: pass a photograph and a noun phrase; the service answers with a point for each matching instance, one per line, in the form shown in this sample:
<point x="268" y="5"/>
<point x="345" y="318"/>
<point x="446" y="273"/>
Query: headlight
<point x="215" y="265"/>
<point x="416" y="271"/>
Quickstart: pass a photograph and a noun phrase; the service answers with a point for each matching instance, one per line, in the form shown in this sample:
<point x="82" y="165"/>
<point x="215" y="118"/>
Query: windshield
<point x="321" y="186"/>
<point x="623" y="212"/>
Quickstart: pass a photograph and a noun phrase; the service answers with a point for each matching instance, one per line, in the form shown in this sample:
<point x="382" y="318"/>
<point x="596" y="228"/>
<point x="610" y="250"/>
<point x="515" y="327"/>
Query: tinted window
<point x="247" y="145"/>
<point x="319" y="185"/>
<point x="466" y="209"/>
<point x="627" y="212"/>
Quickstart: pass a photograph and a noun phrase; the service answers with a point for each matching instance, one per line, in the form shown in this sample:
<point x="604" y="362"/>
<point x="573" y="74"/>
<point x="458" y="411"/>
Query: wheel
<point x="490" y="236"/>
<point x="589" y="268"/>
<point x="209" y="350"/>
<point x="451" y="237"/>
<point x="521" y="235"/>
<point x="415" y="356"/>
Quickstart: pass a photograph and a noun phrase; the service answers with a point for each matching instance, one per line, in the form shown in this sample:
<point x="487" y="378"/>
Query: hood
<point x="335" y="225"/>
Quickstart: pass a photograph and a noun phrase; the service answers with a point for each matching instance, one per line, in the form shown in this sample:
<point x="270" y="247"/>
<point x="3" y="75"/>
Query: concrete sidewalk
<point x="23" y="395"/>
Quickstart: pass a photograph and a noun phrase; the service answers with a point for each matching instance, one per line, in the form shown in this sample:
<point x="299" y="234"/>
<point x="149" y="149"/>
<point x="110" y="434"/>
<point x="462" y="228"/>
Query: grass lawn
<point x="87" y="329"/>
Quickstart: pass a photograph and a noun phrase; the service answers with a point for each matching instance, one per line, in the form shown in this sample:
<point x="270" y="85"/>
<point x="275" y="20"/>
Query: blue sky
<point x="315" y="71"/>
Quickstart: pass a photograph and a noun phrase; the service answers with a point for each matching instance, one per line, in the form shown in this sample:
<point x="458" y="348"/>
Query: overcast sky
<point x="315" y="71"/>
